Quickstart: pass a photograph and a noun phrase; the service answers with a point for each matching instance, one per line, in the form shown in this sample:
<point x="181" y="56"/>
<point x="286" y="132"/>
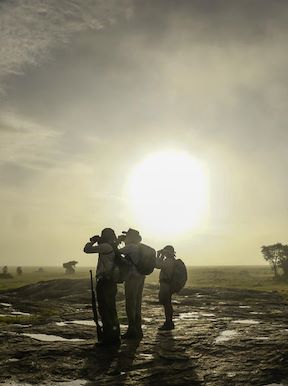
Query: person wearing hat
<point x="106" y="287"/>
<point x="165" y="261"/>
<point x="133" y="285"/>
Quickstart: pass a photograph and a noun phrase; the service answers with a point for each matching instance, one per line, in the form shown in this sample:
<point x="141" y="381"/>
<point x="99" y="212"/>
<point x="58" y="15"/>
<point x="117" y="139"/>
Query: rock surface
<point x="222" y="337"/>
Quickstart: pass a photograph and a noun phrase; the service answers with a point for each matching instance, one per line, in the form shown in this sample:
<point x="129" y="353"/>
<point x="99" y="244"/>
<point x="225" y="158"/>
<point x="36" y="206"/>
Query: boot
<point x="116" y="342"/>
<point x="131" y="333"/>
<point x="167" y="326"/>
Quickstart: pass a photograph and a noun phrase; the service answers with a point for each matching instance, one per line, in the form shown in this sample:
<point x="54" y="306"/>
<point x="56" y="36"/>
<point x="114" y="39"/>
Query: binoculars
<point x="94" y="239"/>
<point x="97" y="238"/>
<point x="121" y="238"/>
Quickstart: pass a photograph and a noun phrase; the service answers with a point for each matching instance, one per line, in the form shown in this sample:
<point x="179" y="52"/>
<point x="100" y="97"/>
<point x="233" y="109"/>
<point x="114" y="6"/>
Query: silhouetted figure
<point x="70" y="267"/>
<point x="5" y="274"/>
<point x="134" y="284"/>
<point x="19" y="271"/>
<point x="166" y="261"/>
<point x="106" y="286"/>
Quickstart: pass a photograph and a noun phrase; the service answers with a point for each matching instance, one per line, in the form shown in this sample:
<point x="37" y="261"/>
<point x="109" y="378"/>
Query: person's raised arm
<point x="159" y="259"/>
<point x="90" y="247"/>
<point x="124" y="252"/>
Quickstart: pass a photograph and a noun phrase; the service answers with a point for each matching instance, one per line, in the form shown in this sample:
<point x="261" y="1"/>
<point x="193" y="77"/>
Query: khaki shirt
<point x="106" y="258"/>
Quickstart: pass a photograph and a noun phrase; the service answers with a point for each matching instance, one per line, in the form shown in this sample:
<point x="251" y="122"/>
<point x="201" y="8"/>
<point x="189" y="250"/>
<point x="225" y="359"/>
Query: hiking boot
<point x="108" y="343"/>
<point x="129" y="335"/>
<point x="167" y="326"/>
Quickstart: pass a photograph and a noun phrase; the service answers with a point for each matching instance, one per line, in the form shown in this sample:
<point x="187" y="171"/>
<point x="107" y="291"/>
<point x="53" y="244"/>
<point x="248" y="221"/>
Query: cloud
<point x="25" y="142"/>
<point x="206" y="75"/>
<point x="29" y="29"/>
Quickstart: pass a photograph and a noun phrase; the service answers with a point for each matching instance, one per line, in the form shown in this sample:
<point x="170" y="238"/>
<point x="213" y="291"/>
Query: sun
<point x="168" y="193"/>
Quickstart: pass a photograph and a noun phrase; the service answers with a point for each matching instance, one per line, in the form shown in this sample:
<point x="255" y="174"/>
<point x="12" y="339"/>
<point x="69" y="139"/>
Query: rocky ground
<point x="222" y="337"/>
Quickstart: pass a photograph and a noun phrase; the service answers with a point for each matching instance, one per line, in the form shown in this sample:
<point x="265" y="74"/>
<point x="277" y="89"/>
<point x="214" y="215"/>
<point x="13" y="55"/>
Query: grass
<point x="31" y="275"/>
<point x="20" y="319"/>
<point x="242" y="277"/>
<point x="245" y="277"/>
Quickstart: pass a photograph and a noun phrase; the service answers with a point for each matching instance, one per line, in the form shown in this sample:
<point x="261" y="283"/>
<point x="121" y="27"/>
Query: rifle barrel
<point x="94" y="308"/>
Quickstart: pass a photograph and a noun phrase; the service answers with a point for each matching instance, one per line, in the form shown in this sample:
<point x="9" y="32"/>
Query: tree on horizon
<point x="277" y="256"/>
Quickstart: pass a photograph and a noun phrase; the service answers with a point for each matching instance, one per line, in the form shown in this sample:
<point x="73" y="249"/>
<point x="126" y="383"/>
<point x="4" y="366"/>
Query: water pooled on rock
<point x="51" y="338"/>
<point x="20" y="313"/>
<point x="226" y="336"/>
<point x="189" y="315"/>
<point x="6" y="304"/>
<point x="246" y="321"/>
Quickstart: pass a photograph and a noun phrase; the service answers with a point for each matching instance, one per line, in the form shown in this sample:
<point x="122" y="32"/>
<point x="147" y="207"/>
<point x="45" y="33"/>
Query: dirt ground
<point x="222" y="337"/>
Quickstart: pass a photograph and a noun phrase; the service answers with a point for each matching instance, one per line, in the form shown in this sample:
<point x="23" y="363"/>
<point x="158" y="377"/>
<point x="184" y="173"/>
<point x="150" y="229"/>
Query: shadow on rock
<point x="98" y="362"/>
<point x="108" y="365"/>
<point x="172" y="365"/>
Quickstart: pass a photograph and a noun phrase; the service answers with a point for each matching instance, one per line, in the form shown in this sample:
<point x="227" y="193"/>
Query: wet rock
<point x="200" y="351"/>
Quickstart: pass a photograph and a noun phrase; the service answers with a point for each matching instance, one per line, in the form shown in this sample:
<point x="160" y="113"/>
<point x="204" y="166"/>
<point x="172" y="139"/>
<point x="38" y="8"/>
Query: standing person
<point x="166" y="262"/>
<point x="106" y="287"/>
<point x="5" y="270"/>
<point x="19" y="271"/>
<point x="133" y="285"/>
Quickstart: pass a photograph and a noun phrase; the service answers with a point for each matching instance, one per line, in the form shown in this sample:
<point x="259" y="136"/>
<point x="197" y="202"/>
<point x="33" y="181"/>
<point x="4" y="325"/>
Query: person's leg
<point x="116" y="325"/>
<point x="100" y="290"/>
<point x="130" y="299"/>
<point x="168" y="306"/>
<point x="111" y="318"/>
<point x="138" y="317"/>
<point x="168" y="312"/>
<point x="106" y="296"/>
<point x="165" y="299"/>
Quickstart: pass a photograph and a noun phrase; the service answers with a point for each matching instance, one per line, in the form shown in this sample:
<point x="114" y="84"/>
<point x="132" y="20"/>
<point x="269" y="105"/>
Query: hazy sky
<point x="91" y="88"/>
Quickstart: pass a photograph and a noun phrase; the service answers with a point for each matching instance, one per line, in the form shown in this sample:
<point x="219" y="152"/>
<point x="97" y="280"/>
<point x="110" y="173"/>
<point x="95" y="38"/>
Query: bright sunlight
<point x="168" y="193"/>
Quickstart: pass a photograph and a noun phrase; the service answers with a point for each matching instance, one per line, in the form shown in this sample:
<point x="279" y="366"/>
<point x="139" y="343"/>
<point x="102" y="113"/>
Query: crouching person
<point x="106" y="287"/>
<point x="166" y="261"/>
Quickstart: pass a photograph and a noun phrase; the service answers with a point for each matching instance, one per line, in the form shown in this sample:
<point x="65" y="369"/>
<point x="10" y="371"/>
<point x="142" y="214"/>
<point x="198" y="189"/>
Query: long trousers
<point x="106" y="291"/>
<point x="133" y="296"/>
<point x="165" y="298"/>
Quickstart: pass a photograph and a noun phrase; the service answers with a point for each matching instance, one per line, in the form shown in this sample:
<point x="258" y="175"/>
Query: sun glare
<point x="168" y="193"/>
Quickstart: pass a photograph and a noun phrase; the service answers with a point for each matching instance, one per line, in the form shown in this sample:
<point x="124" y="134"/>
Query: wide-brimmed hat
<point x="133" y="233"/>
<point x="169" y="249"/>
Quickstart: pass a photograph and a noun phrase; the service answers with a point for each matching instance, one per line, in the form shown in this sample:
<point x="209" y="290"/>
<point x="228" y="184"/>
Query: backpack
<point x="147" y="259"/>
<point x="179" y="276"/>
<point x="120" y="269"/>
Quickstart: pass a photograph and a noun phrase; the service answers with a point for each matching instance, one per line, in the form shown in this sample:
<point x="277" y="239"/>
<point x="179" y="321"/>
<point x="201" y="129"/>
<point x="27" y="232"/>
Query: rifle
<point x="94" y="308"/>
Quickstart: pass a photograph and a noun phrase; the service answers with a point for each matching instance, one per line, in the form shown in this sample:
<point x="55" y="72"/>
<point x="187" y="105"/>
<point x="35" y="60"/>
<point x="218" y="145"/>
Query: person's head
<point x="132" y="236"/>
<point x="108" y="236"/>
<point x="168" y="251"/>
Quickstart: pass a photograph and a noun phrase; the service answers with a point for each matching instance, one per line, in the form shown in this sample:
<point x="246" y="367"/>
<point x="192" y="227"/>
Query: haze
<point x="90" y="89"/>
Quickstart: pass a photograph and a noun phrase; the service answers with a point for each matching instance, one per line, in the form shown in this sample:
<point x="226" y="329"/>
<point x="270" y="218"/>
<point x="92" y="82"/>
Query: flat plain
<point x="231" y="329"/>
